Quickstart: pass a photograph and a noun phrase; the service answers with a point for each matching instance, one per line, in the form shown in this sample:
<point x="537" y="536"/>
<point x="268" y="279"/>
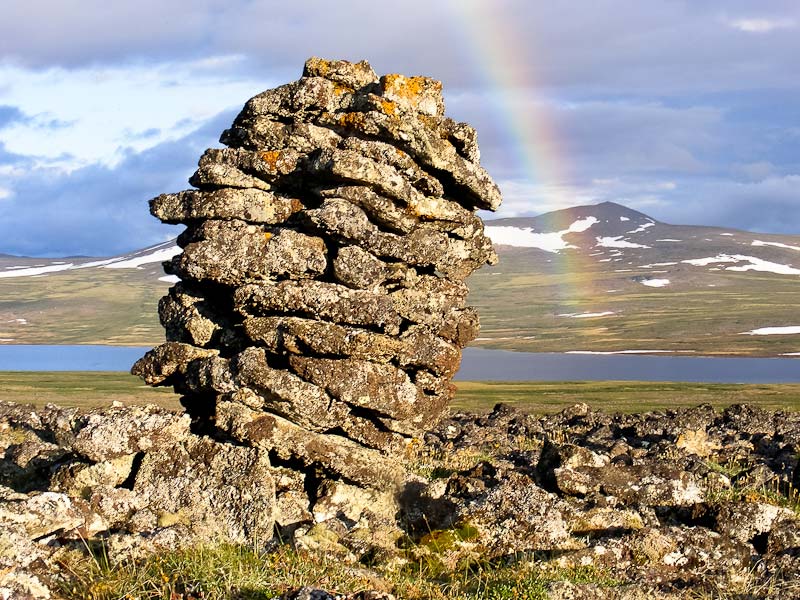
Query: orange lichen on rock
<point x="388" y="107"/>
<point x="340" y="89"/>
<point x="353" y="119"/>
<point x="418" y="94"/>
<point x="271" y="157"/>
<point x="406" y="87"/>
<point x="320" y="65"/>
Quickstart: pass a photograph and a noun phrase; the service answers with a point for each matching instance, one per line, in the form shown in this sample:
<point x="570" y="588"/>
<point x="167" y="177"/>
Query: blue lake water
<point x="69" y="358"/>
<point x="478" y="364"/>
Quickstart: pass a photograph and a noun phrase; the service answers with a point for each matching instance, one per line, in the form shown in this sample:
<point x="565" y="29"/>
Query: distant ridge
<point x="603" y="210"/>
<point x="599" y="277"/>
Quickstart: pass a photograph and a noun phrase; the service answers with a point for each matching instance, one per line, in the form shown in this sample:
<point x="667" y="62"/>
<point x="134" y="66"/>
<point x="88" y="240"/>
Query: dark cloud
<point x="99" y="210"/>
<point x="768" y="206"/>
<point x="605" y="46"/>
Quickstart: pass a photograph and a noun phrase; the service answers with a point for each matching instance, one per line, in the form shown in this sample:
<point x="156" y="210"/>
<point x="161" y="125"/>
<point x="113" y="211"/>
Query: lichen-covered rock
<point x="134" y="478"/>
<point x="637" y="498"/>
<point x="118" y="432"/>
<point x="322" y="309"/>
<point x="219" y="491"/>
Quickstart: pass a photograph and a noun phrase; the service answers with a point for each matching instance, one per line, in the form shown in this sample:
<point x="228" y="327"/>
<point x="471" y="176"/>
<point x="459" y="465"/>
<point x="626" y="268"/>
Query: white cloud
<point x="762" y="25"/>
<point x="102" y="112"/>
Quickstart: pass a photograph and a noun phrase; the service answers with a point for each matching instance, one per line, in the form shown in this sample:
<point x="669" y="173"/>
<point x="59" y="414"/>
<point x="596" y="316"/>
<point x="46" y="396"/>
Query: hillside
<point x="84" y="300"/>
<point x="590" y="278"/>
<point x="607" y="278"/>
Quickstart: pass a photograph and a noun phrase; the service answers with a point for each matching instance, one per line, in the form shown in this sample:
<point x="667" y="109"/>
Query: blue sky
<point x="688" y="111"/>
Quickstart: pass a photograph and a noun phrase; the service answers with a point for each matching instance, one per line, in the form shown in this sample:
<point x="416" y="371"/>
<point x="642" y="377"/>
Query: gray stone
<point x="322" y="310"/>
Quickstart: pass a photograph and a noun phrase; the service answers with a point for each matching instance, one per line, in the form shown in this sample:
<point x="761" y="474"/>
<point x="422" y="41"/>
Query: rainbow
<point x="528" y="129"/>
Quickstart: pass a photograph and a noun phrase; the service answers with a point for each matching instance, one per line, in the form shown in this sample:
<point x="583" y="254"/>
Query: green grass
<point x="226" y="572"/>
<point x="92" y="389"/>
<point x="84" y="389"/>
<point x="86" y="306"/>
<point x="622" y="396"/>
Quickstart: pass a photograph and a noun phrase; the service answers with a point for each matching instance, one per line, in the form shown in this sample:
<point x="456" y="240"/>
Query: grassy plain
<point x="522" y="302"/>
<point x="93" y="389"/>
<point x="83" y="389"/>
<point x="622" y="396"/>
<point x="115" y="307"/>
<point x="705" y="313"/>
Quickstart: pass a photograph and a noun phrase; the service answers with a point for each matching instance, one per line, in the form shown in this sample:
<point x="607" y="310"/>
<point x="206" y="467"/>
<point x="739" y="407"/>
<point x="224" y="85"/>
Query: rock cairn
<point x="322" y="307"/>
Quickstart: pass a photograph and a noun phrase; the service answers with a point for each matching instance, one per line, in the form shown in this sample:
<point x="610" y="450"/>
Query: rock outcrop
<point x="660" y="502"/>
<point x="135" y="478"/>
<point x="322" y="308"/>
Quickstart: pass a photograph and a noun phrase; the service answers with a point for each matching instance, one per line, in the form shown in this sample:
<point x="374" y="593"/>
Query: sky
<point x="688" y="111"/>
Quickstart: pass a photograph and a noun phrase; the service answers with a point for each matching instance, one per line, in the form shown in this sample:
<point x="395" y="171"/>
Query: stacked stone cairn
<point x="322" y="308"/>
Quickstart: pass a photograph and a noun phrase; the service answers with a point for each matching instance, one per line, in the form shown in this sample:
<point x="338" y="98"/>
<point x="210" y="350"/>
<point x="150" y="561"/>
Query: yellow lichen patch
<point x="271" y="157"/>
<point x="321" y="66"/>
<point x="388" y="107"/>
<point x="267" y="236"/>
<point x="352" y="119"/>
<point x="340" y="89"/>
<point x="404" y="87"/>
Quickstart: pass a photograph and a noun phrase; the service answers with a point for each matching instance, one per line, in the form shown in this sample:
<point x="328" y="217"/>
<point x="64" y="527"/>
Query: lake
<point x="478" y="364"/>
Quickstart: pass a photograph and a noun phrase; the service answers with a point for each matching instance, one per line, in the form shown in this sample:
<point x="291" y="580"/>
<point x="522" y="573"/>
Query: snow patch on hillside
<point x="657" y="283"/>
<point x="526" y="238"/>
<point x="28" y="271"/>
<point x="776" y="244"/>
<point x="754" y="264"/>
<point x="623" y="351"/>
<point x="642" y="227"/>
<point x="617" y="242"/>
<point x="605" y="313"/>
<point x="119" y="262"/>
<point x="138" y="261"/>
<point x="790" y="330"/>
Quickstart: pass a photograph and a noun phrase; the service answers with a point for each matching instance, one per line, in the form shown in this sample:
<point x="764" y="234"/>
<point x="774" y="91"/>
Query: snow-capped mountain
<point x="611" y="233"/>
<point x="146" y="258"/>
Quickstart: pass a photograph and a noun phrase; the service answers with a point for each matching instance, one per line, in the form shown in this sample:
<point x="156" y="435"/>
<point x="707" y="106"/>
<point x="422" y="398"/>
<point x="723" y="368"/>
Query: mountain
<point x="596" y="278"/>
<point x="607" y="278"/>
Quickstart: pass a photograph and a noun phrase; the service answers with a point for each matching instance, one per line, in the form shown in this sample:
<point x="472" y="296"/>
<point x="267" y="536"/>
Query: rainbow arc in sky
<point x="497" y="48"/>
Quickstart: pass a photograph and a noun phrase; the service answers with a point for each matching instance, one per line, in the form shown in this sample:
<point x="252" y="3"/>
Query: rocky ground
<point x="688" y="503"/>
<point x="665" y="503"/>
